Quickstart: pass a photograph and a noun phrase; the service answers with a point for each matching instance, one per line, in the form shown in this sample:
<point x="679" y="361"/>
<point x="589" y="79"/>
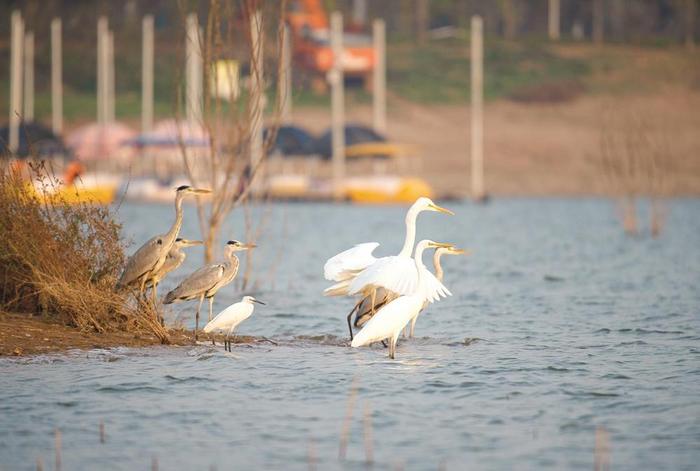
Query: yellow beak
<point x="440" y="209"/>
<point x="456" y="251"/>
<point x="201" y="191"/>
<point x="440" y="244"/>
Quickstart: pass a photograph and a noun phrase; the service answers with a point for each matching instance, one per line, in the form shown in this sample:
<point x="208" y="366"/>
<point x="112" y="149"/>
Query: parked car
<point x="360" y="141"/>
<point x="292" y="140"/>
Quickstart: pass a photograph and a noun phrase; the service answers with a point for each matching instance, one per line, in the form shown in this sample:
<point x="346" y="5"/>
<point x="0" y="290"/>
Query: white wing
<point x="347" y="264"/>
<point x="396" y="274"/>
<point x="389" y="320"/>
<point x="433" y="289"/>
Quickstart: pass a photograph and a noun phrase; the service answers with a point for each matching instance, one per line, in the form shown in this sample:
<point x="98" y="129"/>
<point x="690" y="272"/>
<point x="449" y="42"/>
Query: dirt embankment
<point x="536" y="149"/>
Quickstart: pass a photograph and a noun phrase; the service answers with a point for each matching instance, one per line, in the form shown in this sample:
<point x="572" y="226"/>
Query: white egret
<point x="388" y="322"/>
<point x="357" y="271"/>
<point x="150" y="257"/>
<point x="439" y="274"/>
<point x="231" y="317"/>
<point x="208" y="280"/>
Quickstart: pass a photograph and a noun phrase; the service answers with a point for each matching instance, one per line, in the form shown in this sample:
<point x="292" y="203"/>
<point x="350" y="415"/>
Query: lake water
<point x="559" y="324"/>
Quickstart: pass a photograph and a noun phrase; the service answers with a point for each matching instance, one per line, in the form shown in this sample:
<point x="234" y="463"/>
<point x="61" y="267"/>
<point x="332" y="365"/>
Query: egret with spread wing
<point x="390" y="319"/>
<point x="439" y="274"/>
<point x="357" y="272"/>
<point x="208" y="280"/>
<point x="150" y="257"/>
<point x="231" y="317"/>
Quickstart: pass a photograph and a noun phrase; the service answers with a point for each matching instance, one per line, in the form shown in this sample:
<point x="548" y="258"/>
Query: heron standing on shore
<point x="150" y="257"/>
<point x="172" y="261"/>
<point x="208" y="280"/>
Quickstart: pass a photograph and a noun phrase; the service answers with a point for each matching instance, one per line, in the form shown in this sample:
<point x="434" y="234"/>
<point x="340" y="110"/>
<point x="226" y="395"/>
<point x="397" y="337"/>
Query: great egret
<point x="388" y="322"/>
<point x="205" y="282"/>
<point x="150" y="257"/>
<point x="231" y="317"/>
<point x="365" y="310"/>
<point x="172" y="261"/>
<point x="439" y="274"/>
<point x="357" y="271"/>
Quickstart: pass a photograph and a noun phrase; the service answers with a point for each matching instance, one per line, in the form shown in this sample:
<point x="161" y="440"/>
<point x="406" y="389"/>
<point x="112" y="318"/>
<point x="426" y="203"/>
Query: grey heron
<point x="231" y="317"/>
<point x="208" y="280"/>
<point x="150" y="257"/>
<point x="172" y="261"/>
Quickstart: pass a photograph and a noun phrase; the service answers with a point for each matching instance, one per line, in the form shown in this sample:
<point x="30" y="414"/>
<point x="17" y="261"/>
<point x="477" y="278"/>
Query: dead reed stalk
<point x="602" y="450"/>
<point x="61" y="259"/>
<point x="345" y="431"/>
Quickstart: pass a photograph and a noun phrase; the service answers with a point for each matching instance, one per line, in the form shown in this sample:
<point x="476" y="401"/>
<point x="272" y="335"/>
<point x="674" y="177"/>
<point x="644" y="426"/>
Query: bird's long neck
<point x="419" y="264"/>
<point x="411" y="217"/>
<point x="175" y="229"/>
<point x="436" y="263"/>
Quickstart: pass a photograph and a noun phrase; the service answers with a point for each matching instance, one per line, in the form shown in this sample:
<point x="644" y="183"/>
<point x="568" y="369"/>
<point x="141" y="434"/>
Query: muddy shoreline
<point x="22" y="334"/>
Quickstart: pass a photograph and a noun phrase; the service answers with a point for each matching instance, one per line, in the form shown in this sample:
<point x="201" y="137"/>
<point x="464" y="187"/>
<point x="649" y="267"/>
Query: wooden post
<point x="337" y="105"/>
<point x="194" y="71"/>
<point x="256" y="90"/>
<point x="379" y="85"/>
<point x="598" y="21"/>
<point x="29" y="77"/>
<point x="56" y="78"/>
<point x="359" y="12"/>
<point x="109" y="83"/>
<point x="285" y="80"/>
<point x="147" y="74"/>
<point x="690" y="24"/>
<point x="477" y="125"/>
<point x="102" y="71"/>
<point x="17" y="36"/>
<point x="553" y="23"/>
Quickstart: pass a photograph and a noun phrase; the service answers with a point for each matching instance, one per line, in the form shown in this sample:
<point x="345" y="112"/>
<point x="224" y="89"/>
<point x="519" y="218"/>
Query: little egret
<point x="150" y="257"/>
<point x="208" y="280"/>
<point x="388" y="322"/>
<point x="357" y="271"/>
<point x="231" y="317"/>
<point x="439" y="274"/>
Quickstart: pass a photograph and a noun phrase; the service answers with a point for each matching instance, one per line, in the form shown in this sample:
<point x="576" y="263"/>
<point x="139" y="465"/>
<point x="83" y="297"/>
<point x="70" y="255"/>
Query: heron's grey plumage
<point x="173" y="260"/>
<point x="208" y="280"/>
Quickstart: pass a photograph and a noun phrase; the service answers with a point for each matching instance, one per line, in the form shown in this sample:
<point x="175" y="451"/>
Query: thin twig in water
<point x="57" y="447"/>
<point x="602" y="449"/>
<point x="312" y="455"/>
<point x="367" y="423"/>
<point x="345" y="431"/>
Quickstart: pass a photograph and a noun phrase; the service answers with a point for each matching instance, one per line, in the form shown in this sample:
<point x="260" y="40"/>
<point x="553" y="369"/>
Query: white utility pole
<point x="102" y="72"/>
<point x="379" y="77"/>
<point x="359" y="12"/>
<point x="109" y="84"/>
<point x="194" y="71"/>
<point x="553" y="23"/>
<point x="56" y="78"/>
<point x="257" y="91"/>
<point x="147" y="74"/>
<point x="337" y="104"/>
<point x="285" y="80"/>
<point x="29" y="77"/>
<point x="17" y="38"/>
<point x="477" y="123"/>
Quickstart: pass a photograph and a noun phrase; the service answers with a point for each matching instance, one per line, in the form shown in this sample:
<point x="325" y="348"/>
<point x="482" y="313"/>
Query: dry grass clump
<point x="62" y="260"/>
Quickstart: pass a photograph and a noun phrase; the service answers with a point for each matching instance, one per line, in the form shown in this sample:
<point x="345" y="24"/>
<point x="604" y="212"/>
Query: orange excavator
<point x="308" y="22"/>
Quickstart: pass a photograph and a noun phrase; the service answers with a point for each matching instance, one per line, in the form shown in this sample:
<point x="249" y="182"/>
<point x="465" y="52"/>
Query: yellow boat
<point x="386" y="190"/>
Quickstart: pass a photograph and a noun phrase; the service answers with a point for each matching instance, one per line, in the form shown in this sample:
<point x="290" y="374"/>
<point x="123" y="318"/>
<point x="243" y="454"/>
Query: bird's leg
<point x="392" y="348"/>
<point x="357" y="306"/>
<point x="196" y="321"/>
<point x="374" y="299"/>
<point x="142" y="289"/>
<point x="413" y="326"/>
<point x="211" y="307"/>
<point x="384" y="343"/>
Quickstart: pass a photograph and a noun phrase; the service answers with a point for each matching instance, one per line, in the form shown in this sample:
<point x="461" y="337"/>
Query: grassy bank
<point x="526" y="70"/>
